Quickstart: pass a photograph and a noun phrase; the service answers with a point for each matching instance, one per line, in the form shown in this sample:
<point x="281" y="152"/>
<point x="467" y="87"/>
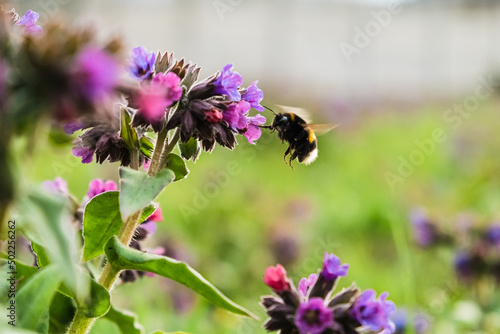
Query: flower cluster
<point x="168" y="97"/>
<point x="217" y="108"/>
<point x="314" y="309"/>
<point x="58" y="70"/>
<point x="477" y="246"/>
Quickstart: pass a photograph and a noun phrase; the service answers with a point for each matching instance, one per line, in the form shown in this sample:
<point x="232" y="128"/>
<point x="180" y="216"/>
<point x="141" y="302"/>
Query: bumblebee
<point x="298" y="133"/>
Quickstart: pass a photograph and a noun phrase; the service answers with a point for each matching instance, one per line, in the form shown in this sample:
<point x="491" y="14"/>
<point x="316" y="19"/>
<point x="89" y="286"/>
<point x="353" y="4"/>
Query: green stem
<point x="81" y="324"/>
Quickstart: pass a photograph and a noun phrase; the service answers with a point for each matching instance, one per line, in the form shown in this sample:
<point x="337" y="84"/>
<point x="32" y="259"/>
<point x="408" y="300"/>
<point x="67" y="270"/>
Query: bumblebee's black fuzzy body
<point x="302" y="141"/>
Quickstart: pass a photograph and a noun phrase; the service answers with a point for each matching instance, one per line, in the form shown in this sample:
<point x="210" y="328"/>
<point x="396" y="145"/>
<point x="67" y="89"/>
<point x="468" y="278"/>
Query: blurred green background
<point x="243" y="210"/>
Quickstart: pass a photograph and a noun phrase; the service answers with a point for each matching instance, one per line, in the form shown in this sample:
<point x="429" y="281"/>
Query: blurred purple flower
<point x="374" y="313"/>
<point x="228" y="82"/>
<point x="142" y="63"/>
<point x="253" y="131"/>
<point x="332" y="268"/>
<point x="313" y="317"/>
<point x="71" y="127"/>
<point x="96" y="74"/>
<point x="493" y="235"/>
<point x="254" y="95"/>
<point x="306" y="283"/>
<point x="464" y="266"/>
<point x="97" y="187"/>
<point x="424" y="232"/>
<point x="84" y="152"/>
<point x="29" y="22"/>
<point x="58" y="186"/>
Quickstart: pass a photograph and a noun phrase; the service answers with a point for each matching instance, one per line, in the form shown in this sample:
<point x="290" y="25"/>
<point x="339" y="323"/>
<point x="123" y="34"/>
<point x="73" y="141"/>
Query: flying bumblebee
<point x="298" y="133"/>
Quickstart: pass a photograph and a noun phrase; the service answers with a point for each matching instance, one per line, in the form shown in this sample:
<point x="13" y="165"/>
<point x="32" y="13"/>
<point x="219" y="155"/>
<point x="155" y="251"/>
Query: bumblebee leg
<point x="293" y="156"/>
<point x="288" y="150"/>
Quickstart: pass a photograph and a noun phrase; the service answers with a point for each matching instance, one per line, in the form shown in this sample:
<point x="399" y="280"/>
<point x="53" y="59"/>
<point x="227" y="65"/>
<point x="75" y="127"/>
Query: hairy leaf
<point x="123" y="257"/>
<point x="176" y="164"/>
<point x="138" y="190"/>
<point x="102" y="220"/>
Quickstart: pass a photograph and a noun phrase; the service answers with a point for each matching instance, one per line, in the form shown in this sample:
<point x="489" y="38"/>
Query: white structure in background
<point x="406" y="51"/>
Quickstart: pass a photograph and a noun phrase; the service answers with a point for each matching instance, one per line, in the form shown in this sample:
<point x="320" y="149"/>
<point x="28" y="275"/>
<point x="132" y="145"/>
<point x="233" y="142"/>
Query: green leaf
<point x="138" y="190"/>
<point x="61" y="312"/>
<point x="123" y="257"/>
<point x="125" y="320"/>
<point x="46" y="221"/>
<point x="176" y="164"/>
<point x="146" y="147"/>
<point x="102" y="220"/>
<point x="190" y="150"/>
<point x="34" y="298"/>
<point x="127" y="132"/>
<point x="42" y="259"/>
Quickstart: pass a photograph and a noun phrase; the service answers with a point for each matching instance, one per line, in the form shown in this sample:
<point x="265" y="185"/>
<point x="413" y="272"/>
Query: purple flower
<point x="306" y="283"/>
<point x="71" y="127"/>
<point x="84" y="152"/>
<point x="313" y="317"/>
<point x="424" y="232"/>
<point x="374" y="313"/>
<point x="58" y="186"/>
<point x="97" y="187"/>
<point x="493" y="235"/>
<point x="332" y="267"/>
<point x="254" y="95"/>
<point x="235" y="115"/>
<point x="142" y="63"/>
<point x="228" y="82"/>
<point x="96" y="74"/>
<point x="29" y="22"/>
<point x="253" y="131"/>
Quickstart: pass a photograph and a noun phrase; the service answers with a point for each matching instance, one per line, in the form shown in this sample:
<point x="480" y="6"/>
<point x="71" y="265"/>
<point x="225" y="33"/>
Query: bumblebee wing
<point x="301" y="112"/>
<point x="321" y="129"/>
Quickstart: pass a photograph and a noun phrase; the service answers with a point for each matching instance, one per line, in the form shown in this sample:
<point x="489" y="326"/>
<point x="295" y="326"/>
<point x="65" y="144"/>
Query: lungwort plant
<point x="151" y="121"/>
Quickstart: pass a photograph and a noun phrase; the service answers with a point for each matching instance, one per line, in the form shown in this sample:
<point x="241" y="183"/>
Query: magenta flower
<point x="156" y="216"/>
<point x="253" y="131"/>
<point x="254" y="95"/>
<point x="96" y="74"/>
<point x="29" y="22"/>
<point x="374" y="313"/>
<point x="142" y="63"/>
<point x="228" y="82"/>
<point x="332" y="268"/>
<point x="153" y="99"/>
<point x="276" y="279"/>
<point x="97" y="187"/>
<point x="306" y="283"/>
<point x="84" y="152"/>
<point x="313" y="317"/>
<point x="58" y="186"/>
<point x="235" y="115"/>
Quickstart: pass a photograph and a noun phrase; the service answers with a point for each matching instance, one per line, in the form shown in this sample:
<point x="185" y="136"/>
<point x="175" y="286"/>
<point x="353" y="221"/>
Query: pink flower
<point x="276" y="279"/>
<point x="236" y="115"/>
<point x="29" y="22"/>
<point x="96" y="74"/>
<point x="154" y="98"/>
<point x="253" y="131"/>
<point x="58" y="186"/>
<point x="97" y="187"/>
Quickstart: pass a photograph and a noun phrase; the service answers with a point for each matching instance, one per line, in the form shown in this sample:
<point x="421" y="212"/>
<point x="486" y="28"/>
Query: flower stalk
<point x="81" y="324"/>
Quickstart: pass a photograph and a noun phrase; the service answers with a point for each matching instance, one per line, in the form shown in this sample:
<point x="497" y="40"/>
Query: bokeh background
<point x="390" y="73"/>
